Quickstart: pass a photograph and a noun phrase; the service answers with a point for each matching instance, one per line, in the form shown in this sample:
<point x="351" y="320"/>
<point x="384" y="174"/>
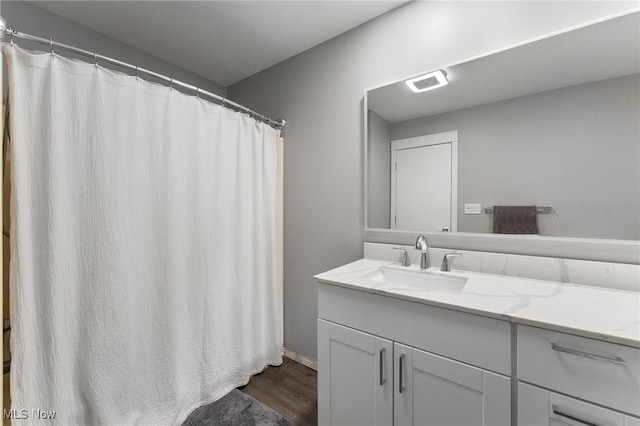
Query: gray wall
<point x="379" y="184"/>
<point x="575" y="149"/>
<point x="320" y="93"/>
<point x="30" y="19"/>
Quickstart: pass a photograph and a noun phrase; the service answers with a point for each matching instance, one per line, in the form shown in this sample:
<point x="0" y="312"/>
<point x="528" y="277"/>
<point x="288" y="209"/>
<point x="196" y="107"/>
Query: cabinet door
<point x="355" y="377"/>
<point x="539" y="407"/>
<point x="432" y="390"/>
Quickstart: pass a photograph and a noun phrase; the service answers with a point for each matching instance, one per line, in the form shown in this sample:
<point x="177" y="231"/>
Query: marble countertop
<point x="595" y="312"/>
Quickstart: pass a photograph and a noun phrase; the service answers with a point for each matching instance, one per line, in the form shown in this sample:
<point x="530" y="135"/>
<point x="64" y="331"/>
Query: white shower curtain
<point x="146" y="269"/>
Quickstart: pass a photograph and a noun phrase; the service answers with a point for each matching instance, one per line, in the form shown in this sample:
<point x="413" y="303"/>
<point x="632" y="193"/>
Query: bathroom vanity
<point x="399" y="345"/>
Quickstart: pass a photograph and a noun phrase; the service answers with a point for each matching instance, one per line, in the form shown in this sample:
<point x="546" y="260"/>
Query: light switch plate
<point x="472" y="208"/>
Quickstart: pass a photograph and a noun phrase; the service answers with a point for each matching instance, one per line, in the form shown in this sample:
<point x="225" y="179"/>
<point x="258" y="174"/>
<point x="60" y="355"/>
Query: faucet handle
<point x="447" y="261"/>
<point x="405" y="256"/>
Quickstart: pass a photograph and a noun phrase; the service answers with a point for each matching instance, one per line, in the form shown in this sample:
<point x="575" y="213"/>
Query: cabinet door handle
<point x="572" y="417"/>
<point x="400" y="363"/>
<point x="617" y="360"/>
<point x="382" y="379"/>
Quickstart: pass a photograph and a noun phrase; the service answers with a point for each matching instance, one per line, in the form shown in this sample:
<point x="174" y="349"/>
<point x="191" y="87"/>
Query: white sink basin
<point x="393" y="278"/>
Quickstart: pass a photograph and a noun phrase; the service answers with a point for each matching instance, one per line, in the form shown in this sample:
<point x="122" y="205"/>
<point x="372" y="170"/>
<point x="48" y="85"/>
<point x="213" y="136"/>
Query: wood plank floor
<point x="290" y="389"/>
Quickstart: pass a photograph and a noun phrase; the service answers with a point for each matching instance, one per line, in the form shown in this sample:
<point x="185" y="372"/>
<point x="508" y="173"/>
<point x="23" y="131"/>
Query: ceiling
<point x="223" y="41"/>
<point x="597" y="52"/>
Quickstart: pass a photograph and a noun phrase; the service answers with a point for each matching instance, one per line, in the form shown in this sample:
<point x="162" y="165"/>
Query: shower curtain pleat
<point x="146" y="269"/>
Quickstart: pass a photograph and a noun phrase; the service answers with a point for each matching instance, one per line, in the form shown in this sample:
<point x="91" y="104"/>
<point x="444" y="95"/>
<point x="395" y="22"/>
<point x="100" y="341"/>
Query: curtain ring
<point x="197" y="92"/>
<point x="51" y="44"/>
<point x="224" y="100"/>
<point x="171" y="83"/>
<point x="137" y="73"/>
<point x="95" y="59"/>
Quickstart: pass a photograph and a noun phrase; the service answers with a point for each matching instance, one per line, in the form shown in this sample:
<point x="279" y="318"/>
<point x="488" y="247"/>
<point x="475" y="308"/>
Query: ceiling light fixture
<point x="430" y="81"/>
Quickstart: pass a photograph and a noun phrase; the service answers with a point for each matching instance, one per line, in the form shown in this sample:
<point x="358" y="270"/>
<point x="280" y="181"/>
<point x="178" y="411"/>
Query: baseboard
<point x="301" y="359"/>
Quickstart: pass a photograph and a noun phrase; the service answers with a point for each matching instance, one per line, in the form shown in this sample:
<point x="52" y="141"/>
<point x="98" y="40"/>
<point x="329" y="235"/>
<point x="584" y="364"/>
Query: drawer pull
<point x="382" y="379"/>
<point x="617" y="360"/>
<point x="574" y="418"/>
<point x="400" y="362"/>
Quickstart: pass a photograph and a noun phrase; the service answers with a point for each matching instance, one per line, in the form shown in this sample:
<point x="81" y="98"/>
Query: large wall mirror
<point x="553" y="123"/>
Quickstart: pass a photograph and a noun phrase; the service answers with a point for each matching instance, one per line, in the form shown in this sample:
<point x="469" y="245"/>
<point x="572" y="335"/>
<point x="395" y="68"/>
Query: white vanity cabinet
<point x="540" y="407"/>
<point x="501" y="352"/>
<point x="385" y="361"/>
<point x="432" y="390"/>
<point x="356" y="383"/>
<point x="555" y="367"/>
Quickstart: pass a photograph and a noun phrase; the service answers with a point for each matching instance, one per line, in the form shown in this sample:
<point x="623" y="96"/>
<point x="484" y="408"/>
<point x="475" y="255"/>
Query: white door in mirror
<point x="421" y="182"/>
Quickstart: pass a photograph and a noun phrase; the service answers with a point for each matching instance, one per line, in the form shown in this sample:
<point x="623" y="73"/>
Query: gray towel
<point x="515" y="220"/>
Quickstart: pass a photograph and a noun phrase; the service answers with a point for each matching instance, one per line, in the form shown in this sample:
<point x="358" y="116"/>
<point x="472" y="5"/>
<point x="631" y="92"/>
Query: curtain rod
<point x="8" y="31"/>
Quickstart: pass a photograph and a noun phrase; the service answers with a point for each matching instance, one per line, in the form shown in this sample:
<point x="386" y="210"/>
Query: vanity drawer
<point x="600" y="372"/>
<point x="538" y="407"/>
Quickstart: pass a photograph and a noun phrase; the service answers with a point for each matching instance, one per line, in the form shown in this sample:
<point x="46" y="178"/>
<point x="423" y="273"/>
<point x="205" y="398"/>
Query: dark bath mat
<point x="236" y="408"/>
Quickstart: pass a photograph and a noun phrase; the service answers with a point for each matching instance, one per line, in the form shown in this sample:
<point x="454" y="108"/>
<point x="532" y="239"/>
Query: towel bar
<point x="539" y="209"/>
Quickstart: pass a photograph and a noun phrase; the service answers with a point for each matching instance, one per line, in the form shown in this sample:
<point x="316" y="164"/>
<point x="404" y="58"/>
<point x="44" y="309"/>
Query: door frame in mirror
<point x="451" y="138"/>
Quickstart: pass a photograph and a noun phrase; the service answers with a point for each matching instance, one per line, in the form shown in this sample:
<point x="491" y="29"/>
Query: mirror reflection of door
<point x="424" y="183"/>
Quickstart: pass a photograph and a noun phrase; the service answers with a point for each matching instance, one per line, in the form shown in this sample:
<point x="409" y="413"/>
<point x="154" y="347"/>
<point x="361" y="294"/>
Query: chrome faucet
<point x="447" y="261"/>
<point x="421" y="244"/>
